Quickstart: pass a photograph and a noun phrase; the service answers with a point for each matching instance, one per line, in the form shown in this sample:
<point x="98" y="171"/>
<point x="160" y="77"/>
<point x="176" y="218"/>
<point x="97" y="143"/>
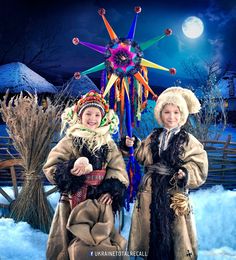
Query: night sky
<point x="40" y="34"/>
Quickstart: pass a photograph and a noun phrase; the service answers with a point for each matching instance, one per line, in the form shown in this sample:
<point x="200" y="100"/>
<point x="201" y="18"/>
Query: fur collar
<point x="170" y="156"/>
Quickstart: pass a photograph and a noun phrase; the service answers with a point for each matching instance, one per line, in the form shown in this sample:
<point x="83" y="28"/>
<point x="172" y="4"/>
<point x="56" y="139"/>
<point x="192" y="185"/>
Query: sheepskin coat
<point x="57" y="170"/>
<point x="156" y="229"/>
<point x="65" y="151"/>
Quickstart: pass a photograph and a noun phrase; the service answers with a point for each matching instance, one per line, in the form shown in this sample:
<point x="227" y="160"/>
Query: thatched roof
<point x="18" y="77"/>
<point x="78" y="87"/>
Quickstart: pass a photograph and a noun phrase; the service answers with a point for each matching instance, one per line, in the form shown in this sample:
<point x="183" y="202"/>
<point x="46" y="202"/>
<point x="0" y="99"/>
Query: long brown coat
<point x="57" y="247"/>
<point x="183" y="229"/>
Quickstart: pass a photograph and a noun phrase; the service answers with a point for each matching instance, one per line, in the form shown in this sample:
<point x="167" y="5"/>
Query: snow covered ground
<point x="214" y="209"/>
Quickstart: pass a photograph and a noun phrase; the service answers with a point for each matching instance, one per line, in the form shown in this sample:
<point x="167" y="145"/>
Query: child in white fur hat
<point x="174" y="162"/>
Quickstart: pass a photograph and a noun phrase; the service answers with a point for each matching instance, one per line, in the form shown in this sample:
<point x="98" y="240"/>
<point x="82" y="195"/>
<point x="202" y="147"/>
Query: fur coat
<point x="57" y="170"/>
<point x="156" y="228"/>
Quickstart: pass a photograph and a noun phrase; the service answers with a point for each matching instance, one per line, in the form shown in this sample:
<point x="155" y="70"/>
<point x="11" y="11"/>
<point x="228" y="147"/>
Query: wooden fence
<point x="221" y="155"/>
<point x="222" y="163"/>
<point x="8" y="153"/>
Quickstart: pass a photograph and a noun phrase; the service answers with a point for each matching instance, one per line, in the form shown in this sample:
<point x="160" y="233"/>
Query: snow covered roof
<point x="78" y="87"/>
<point x="229" y="74"/>
<point x="227" y="85"/>
<point x="18" y="77"/>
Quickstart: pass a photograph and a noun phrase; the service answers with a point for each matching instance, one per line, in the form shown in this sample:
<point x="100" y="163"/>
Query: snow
<point x="17" y="77"/>
<point x="20" y="241"/>
<point x="214" y="210"/>
<point x="79" y="87"/>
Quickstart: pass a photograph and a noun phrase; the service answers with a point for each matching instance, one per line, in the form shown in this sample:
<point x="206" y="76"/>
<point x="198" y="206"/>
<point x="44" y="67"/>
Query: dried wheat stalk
<point x="31" y="128"/>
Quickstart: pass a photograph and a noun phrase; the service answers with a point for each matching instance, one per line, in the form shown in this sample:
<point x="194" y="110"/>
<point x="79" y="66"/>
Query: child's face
<point x="170" y="116"/>
<point x="91" y="117"/>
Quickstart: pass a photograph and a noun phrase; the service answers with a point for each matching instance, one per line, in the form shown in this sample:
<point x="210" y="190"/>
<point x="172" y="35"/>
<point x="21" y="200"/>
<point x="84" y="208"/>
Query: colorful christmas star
<point x="125" y="79"/>
<point x="123" y="57"/>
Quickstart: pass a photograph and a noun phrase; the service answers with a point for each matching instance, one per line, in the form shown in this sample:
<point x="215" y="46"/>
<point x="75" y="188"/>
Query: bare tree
<point x="211" y="120"/>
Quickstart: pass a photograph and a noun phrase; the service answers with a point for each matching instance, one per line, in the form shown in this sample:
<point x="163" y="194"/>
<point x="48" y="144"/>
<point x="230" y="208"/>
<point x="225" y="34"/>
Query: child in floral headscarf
<point x="85" y="164"/>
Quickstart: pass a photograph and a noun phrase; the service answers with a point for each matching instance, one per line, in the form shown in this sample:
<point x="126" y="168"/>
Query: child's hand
<point x="129" y="141"/>
<point x="78" y="170"/>
<point x="180" y="174"/>
<point x="105" y="199"/>
<point x="81" y="167"/>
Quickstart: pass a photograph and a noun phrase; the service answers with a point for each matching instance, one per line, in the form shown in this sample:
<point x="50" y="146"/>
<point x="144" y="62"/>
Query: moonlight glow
<point x="192" y="27"/>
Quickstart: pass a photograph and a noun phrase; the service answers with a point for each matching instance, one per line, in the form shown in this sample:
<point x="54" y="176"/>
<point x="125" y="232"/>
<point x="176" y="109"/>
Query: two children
<point x="174" y="162"/>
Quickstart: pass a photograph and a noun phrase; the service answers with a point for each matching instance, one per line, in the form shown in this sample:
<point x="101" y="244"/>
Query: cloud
<point x="220" y="12"/>
<point x="217" y="45"/>
<point x="221" y="18"/>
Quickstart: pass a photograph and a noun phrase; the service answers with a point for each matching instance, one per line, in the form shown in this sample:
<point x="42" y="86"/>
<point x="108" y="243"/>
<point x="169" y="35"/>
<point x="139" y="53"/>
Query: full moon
<point x="193" y="27"/>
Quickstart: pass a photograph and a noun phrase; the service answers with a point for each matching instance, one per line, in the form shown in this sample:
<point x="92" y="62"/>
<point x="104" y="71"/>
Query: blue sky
<point x="60" y="21"/>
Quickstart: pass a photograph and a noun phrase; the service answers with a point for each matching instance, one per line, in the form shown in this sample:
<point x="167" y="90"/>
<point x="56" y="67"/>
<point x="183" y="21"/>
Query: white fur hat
<point x="185" y="99"/>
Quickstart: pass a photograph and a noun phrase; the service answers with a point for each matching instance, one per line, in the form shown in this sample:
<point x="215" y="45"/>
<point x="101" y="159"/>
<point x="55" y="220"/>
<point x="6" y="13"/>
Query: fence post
<point x="227" y="142"/>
